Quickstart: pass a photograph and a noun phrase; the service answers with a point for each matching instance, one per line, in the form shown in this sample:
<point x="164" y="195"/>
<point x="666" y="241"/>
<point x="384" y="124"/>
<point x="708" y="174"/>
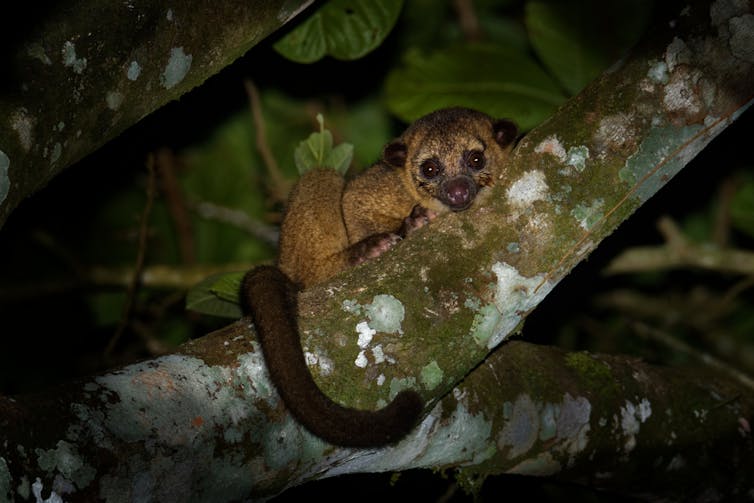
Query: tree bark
<point x="80" y="72"/>
<point x="205" y="424"/>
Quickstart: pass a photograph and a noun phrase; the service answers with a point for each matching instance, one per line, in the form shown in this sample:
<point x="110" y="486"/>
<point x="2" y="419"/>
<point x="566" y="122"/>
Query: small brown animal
<point x="439" y="164"/>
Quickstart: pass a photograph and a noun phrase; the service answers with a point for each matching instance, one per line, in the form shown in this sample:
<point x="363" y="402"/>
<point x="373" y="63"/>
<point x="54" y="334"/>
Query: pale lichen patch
<point x="431" y="375"/>
<point x="658" y="159"/>
<point x="681" y="93"/>
<point x="463" y="436"/>
<point x="114" y="99"/>
<point x="23" y="124"/>
<point x="658" y="72"/>
<point x="677" y="53"/>
<point x="361" y="360"/>
<point x="521" y="428"/>
<point x="37" y="487"/>
<point x="70" y="59"/>
<point x="65" y="460"/>
<point x="385" y="314"/>
<point x="529" y="188"/>
<point x="564" y="425"/>
<point x="133" y="71"/>
<point x="57" y="151"/>
<point x="365" y="334"/>
<point x="576" y="157"/>
<point x="588" y="215"/>
<point x="551" y="145"/>
<point x="176" y="69"/>
<point x="632" y="417"/>
<point x="514" y="295"/>
<point x="614" y="133"/>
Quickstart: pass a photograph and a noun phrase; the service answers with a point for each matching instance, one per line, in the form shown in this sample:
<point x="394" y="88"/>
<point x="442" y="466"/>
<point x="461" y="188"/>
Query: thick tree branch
<point x="92" y="68"/>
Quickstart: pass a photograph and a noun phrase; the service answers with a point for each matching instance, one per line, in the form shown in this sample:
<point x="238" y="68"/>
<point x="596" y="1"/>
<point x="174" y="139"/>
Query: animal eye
<point x="475" y="160"/>
<point x="430" y="168"/>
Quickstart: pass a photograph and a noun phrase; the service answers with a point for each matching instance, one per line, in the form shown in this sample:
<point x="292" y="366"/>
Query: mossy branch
<point x="92" y="68"/>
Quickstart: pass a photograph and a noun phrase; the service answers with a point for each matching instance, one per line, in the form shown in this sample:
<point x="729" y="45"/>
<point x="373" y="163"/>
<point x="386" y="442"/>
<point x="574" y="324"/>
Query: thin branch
<point x="179" y="277"/>
<point x="140" y="254"/>
<point x="678" y="252"/>
<point x="279" y="186"/>
<point x="240" y="219"/>
<point x="468" y="20"/>
<point x="703" y="357"/>
<point x="176" y="204"/>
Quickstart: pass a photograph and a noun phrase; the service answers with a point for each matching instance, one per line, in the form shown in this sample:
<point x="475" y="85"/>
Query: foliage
<point x="317" y="151"/>
<point x="343" y="29"/>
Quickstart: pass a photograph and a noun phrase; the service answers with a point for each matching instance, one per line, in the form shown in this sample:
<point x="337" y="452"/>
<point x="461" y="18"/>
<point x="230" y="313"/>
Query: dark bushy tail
<point x="270" y="298"/>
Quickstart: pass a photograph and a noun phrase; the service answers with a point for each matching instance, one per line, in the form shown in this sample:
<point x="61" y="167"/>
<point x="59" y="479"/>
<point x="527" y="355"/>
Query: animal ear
<point x="395" y="153"/>
<point x="504" y="131"/>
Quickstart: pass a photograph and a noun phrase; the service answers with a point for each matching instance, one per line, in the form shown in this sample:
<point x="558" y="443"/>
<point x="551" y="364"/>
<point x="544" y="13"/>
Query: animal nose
<point x="458" y="193"/>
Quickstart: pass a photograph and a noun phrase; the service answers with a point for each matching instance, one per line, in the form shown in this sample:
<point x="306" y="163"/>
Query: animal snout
<point x="459" y="192"/>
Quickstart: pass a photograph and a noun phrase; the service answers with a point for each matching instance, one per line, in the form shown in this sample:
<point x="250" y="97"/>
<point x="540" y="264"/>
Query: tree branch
<point x="92" y="68"/>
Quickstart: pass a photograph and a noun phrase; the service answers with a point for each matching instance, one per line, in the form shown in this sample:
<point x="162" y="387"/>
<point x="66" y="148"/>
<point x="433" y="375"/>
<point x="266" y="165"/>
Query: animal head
<point x="450" y="154"/>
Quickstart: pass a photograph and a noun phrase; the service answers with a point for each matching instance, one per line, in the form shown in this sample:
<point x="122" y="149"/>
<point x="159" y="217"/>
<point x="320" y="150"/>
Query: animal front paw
<point x="419" y="217"/>
<point x="372" y="247"/>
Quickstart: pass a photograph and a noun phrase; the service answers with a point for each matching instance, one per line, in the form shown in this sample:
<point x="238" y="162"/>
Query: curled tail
<point x="270" y="298"/>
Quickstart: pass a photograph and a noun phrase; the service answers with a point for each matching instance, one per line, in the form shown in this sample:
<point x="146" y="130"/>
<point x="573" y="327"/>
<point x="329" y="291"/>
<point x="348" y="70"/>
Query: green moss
<point x="595" y="373"/>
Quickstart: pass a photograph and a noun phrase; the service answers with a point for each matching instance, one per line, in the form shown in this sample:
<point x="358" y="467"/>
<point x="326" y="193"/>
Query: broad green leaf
<point x="340" y="158"/>
<point x="317" y="152"/>
<point x="495" y="80"/>
<point x="216" y="295"/>
<point x="578" y="39"/>
<point x="343" y="29"/>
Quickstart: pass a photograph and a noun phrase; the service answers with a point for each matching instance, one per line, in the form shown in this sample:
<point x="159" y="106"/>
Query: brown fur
<point x="439" y="164"/>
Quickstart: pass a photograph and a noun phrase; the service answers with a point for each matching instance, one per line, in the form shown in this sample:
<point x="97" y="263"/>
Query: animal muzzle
<point x="458" y="192"/>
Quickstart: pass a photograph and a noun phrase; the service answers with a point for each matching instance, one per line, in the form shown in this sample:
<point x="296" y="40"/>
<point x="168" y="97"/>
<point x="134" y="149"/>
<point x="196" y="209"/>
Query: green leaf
<point x="340" y="158"/>
<point x="578" y="39"/>
<point x="343" y="29"/>
<point x="317" y="152"/>
<point x="216" y="295"/>
<point x="496" y="80"/>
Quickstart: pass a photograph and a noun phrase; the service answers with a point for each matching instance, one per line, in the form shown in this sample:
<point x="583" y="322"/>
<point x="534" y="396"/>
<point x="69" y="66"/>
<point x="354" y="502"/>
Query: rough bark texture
<point x="204" y="424"/>
<point x="78" y="73"/>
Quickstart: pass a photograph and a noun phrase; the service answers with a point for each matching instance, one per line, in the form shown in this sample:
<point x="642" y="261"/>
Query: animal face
<point x="450" y="155"/>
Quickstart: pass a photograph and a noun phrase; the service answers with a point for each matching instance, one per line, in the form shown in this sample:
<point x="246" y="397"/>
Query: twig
<point x="468" y="20"/>
<point x="279" y="186"/>
<point x="240" y="219"/>
<point x="734" y="292"/>
<point x="140" y="254"/>
<point x="705" y="358"/>
<point x="674" y="238"/>
<point x="176" y="203"/>
<point x="679" y="252"/>
<point x="180" y="278"/>
<point x="721" y="231"/>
